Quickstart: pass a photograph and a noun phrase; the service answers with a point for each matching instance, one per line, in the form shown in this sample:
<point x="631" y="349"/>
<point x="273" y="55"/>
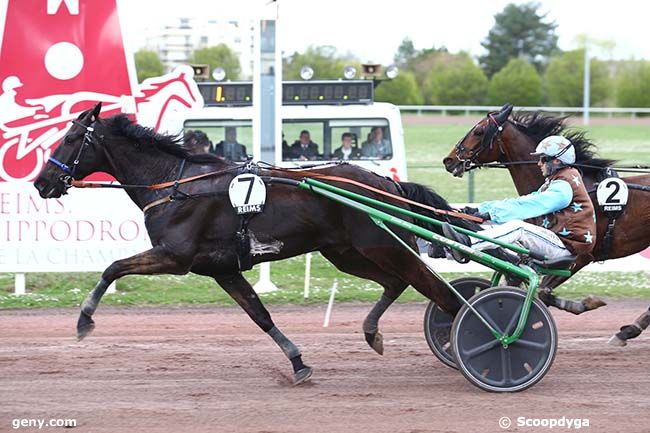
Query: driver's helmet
<point x="556" y="146"/>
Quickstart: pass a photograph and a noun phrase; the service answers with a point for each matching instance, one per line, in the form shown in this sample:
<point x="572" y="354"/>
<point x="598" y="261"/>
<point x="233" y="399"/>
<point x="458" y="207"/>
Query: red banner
<point x="58" y="57"/>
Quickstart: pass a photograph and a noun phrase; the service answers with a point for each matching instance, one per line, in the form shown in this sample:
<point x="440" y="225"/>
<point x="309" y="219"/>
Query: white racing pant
<point x="529" y="236"/>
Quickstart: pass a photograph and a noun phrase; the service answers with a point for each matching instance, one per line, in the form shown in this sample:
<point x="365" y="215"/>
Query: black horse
<point x="200" y="234"/>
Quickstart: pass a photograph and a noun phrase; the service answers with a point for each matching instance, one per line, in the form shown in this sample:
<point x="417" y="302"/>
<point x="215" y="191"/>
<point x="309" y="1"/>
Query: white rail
<point x="467" y="109"/>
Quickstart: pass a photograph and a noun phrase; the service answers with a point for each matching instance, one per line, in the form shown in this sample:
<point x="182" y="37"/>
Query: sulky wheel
<point x="484" y="361"/>
<point x="437" y="323"/>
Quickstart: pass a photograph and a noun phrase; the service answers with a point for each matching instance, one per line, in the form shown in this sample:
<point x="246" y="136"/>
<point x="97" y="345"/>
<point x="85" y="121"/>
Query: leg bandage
<point x="92" y="301"/>
<point x="643" y="321"/>
<point x="289" y="349"/>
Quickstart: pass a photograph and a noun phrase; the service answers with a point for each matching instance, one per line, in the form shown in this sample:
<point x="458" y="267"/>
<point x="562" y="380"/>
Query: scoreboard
<point x="238" y="94"/>
<point x="227" y="94"/>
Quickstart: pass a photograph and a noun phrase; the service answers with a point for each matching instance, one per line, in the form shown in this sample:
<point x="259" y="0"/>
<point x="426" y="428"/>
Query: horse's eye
<point x="479" y="131"/>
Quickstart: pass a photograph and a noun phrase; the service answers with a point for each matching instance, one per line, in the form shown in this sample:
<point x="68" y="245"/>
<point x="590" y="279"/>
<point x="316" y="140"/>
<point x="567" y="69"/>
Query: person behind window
<point x="376" y="146"/>
<point x="229" y="148"/>
<point x="347" y="149"/>
<point x="196" y="142"/>
<point x="303" y="149"/>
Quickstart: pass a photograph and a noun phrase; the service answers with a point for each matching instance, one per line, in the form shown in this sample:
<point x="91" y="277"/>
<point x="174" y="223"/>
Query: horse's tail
<point x="424" y="195"/>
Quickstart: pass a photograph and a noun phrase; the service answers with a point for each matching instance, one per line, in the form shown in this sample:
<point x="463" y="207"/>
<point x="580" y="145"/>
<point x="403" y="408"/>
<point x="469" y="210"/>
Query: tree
<point x="218" y="56"/>
<point x="147" y="65"/>
<point x="565" y="75"/>
<point x="403" y="90"/>
<point x="455" y="81"/>
<point x="421" y="62"/>
<point x="633" y="85"/>
<point x="324" y="60"/>
<point x="405" y="52"/>
<point x="518" y="83"/>
<point x="519" y="31"/>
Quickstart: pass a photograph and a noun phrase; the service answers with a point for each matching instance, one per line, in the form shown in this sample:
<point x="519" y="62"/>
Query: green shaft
<point x="372" y="201"/>
<point x="379" y="217"/>
<point x="337" y="194"/>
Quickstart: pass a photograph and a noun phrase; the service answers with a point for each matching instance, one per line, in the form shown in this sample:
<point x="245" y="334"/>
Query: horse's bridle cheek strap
<point x="490" y="144"/>
<point x="87" y="141"/>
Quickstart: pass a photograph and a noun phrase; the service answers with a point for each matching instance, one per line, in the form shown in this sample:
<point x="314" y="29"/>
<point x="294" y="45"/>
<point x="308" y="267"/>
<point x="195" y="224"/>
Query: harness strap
<point x="608" y="238"/>
<point x="156" y="203"/>
<point x="399" y="198"/>
<point x="154" y="187"/>
<point x="82" y="184"/>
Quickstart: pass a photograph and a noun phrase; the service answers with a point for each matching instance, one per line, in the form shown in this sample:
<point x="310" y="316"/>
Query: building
<point x="176" y="40"/>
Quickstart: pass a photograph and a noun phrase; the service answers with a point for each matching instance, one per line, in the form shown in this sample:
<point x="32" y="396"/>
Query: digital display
<point x="293" y="93"/>
<point x="327" y="92"/>
<point x="227" y="94"/>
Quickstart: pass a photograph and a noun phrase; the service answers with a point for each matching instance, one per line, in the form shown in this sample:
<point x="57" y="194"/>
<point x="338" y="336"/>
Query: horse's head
<point x="75" y="157"/>
<point x="478" y="145"/>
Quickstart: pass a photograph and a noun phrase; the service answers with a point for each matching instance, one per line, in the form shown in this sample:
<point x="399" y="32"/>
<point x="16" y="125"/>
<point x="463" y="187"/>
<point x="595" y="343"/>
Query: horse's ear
<point x="503" y="115"/>
<point x="96" y="110"/>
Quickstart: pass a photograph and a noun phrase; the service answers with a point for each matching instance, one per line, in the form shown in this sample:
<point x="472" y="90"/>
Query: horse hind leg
<point x="628" y="332"/>
<point x="403" y="265"/>
<point x="352" y="262"/>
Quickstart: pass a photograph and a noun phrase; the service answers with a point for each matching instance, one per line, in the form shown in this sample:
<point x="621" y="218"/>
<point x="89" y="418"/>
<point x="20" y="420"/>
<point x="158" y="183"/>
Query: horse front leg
<point x="628" y="332"/>
<point x="244" y="294"/>
<point x="154" y="261"/>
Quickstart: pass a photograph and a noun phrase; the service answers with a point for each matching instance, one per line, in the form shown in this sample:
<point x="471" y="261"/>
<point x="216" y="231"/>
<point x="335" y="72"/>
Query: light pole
<point x="585" y="87"/>
<point x="267" y="90"/>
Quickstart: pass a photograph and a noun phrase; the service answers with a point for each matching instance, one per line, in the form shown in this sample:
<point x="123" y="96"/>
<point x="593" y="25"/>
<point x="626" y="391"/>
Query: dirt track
<point x="211" y="370"/>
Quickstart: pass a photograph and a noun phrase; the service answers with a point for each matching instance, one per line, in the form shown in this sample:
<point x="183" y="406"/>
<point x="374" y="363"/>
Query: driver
<point x="560" y="215"/>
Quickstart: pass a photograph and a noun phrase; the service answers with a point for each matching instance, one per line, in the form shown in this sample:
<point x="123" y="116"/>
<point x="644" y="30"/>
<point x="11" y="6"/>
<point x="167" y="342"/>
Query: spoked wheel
<point x="437" y="323"/>
<point x="484" y="361"/>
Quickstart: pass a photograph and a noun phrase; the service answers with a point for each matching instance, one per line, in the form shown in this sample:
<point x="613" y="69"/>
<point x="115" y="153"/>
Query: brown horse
<point x="502" y="138"/>
<point x="200" y="232"/>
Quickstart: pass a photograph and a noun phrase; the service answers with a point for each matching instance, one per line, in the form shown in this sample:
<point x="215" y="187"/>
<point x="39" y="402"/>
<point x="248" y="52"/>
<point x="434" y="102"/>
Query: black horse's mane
<point x="144" y="137"/>
<point x="538" y="125"/>
<point x="425" y="195"/>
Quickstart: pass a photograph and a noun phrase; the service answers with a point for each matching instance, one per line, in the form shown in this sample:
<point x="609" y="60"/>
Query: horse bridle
<point x="485" y="143"/>
<point x="89" y="138"/>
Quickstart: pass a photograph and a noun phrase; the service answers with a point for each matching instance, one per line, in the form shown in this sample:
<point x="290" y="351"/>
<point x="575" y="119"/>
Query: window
<point x="231" y="139"/>
<point x="364" y="139"/>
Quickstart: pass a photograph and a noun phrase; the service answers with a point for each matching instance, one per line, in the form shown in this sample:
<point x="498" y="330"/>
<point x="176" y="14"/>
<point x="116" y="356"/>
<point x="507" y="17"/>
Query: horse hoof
<point x="376" y="341"/>
<point x="616" y="341"/>
<point x="85" y="326"/>
<point x="302" y="375"/>
<point x="592" y="302"/>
